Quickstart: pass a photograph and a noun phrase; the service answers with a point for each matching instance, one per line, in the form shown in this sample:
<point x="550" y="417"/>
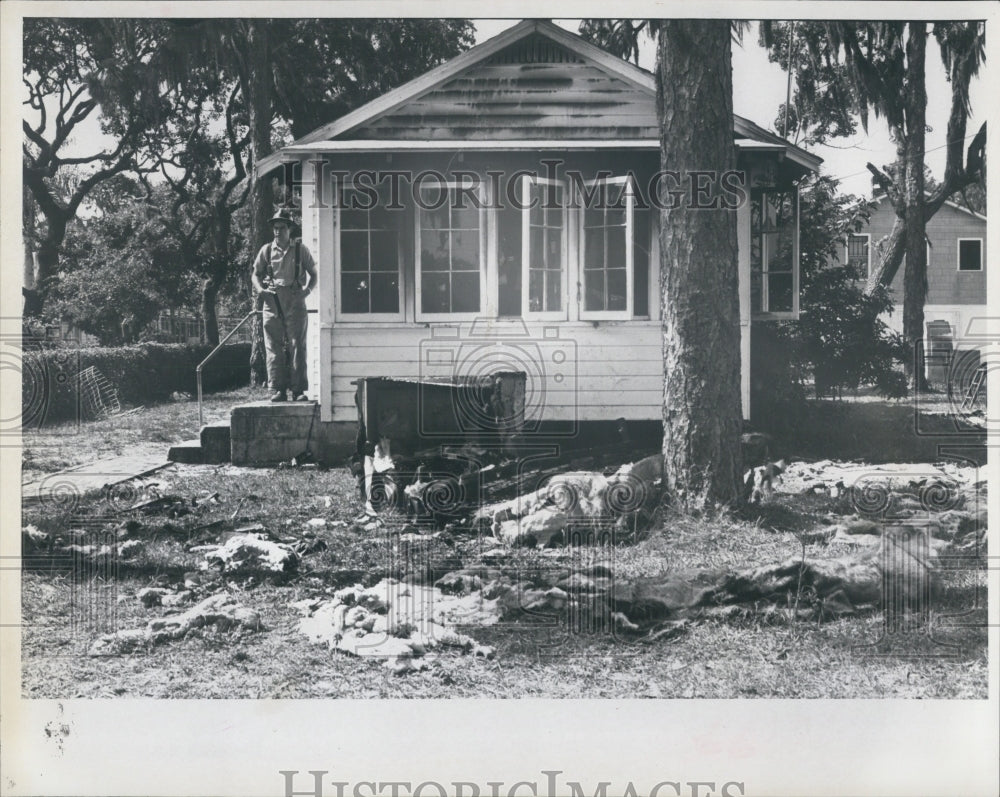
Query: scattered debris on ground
<point x="252" y="556"/>
<point x="837" y="478"/>
<point x="221" y="612"/>
<point x="163" y="596"/>
<point x="456" y="538"/>
<point x="401" y="623"/>
<point x="578" y="501"/>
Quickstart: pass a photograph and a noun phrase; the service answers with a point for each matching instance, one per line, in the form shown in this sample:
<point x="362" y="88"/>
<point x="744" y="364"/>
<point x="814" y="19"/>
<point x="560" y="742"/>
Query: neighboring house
<point x="568" y="292"/>
<point x="956" y="271"/>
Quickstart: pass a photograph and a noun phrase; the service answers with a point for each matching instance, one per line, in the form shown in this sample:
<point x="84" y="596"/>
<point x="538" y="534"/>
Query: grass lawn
<point x="758" y="654"/>
<point x="49" y="449"/>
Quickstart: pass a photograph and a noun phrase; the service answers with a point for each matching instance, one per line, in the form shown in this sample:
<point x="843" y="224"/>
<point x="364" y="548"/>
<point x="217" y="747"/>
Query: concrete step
<point x="266" y="433"/>
<point x="189" y="453"/>
<point x="216" y="443"/>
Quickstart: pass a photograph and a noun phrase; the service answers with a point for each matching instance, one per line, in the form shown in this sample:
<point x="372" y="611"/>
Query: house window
<point x="367" y="257"/>
<point x="543" y="248"/>
<point x="608" y="244"/>
<point x="774" y="273"/>
<point x="450" y="251"/>
<point x="970" y="254"/>
<point x="859" y="253"/>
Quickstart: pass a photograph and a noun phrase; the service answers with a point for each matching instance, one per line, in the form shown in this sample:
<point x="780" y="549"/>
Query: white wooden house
<point x="566" y="291"/>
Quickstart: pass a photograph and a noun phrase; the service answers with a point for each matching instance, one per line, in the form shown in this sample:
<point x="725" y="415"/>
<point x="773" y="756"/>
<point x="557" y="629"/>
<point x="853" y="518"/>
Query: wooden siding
<point x="609" y="370"/>
<point x="534" y="84"/>
<point x="946" y="285"/>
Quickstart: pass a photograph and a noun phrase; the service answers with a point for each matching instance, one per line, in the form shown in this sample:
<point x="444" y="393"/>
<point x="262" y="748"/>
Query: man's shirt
<point x="283" y="263"/>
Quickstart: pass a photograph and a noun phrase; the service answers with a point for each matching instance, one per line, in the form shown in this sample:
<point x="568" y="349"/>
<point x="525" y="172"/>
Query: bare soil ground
<point x="771" y="653"/>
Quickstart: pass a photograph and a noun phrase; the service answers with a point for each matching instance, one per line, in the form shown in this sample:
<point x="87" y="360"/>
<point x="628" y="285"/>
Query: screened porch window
<point x="543" y="248"/>
<point x="608" y="236"/>
<point x="368" y="260"/>
<point x="450" y="261"/>
<point x="859" y="253"/>
<point x="774" y="277"/>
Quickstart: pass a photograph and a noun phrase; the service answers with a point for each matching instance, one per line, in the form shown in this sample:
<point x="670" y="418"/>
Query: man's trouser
<point x="289" y="325"/>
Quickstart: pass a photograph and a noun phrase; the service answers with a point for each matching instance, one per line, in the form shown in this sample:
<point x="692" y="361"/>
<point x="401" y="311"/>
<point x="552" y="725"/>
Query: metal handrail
<point x="211" y="354"/>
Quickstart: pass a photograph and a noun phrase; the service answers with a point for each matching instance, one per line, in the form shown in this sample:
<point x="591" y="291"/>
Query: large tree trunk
<point x="47" y="266"/>
<point x="915" y="273"/>
<point x="217" y="272"/>
<point x="699" y="294"/>
<point x="32" y="297"/>
<point x="258" y="89"/>
<point x="209" y="292"/>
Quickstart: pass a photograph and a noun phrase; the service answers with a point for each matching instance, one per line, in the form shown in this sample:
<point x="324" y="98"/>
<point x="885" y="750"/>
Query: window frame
<point x="766" y="314"/>
<point x="527" y="181"/>
<point x="339" y="314"/>
<point x="958" y="256"/>
<point x="847" y="250"/>
<point x="608" y="315"/>
<point x="485" y="308"/>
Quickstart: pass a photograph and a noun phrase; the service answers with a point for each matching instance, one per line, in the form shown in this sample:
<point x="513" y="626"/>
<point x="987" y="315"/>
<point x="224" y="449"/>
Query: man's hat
<point x="284" y="215"/>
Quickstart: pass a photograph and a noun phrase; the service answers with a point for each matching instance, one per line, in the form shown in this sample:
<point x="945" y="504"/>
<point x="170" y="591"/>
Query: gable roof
<point x="634" y="85"/>
<point x="879" y="197"/>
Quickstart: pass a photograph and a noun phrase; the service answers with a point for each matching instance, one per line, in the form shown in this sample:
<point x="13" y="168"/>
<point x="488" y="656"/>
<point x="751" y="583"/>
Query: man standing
<point x="279" y="276"/>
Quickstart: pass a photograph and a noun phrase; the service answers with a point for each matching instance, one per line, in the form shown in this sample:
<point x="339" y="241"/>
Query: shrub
<point x="143" y="374"/>
<point x="777" y="394"/>
<point x="843" y="339"/>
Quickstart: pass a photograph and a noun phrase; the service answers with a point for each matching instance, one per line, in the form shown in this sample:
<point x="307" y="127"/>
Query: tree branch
<point x="37" y="139"/>
<point x="886" y="183"/>
<point x="81" y="112"/>
<point x="85" y="186"/>
<point x="35" y="180"/>
<point x="957" y="179"/>
<point x="65" y="105"/>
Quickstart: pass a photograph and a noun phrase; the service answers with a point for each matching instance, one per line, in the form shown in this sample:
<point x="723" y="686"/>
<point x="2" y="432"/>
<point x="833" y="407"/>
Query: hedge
<point x="52" y="391"/>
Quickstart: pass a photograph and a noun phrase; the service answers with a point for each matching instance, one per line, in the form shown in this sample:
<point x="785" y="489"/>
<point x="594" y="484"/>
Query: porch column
<point x="743" y="239"/>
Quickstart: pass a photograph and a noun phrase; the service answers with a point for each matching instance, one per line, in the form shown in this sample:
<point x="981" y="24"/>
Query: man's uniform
<point x="287" y="319"/>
